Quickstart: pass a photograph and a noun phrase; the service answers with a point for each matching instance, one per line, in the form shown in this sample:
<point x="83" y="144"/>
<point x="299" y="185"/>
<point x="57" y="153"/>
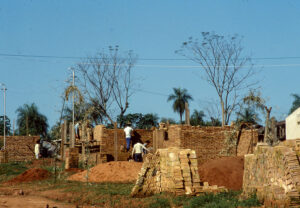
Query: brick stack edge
<point x="171" y="170"/>
<point x="273" y="173"/>
<point x="20" y="148"/>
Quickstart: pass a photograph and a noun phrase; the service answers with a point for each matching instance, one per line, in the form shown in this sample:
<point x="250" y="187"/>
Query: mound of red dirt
<point x="33" y="174"/>
<point x="226" y="171"/>
<point x="119" y="172"/>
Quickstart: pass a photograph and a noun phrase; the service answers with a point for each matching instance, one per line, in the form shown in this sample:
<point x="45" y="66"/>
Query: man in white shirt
<point x="137" y="152"/>
<point x="37" y="149"/>
<point x="128" y="130"/>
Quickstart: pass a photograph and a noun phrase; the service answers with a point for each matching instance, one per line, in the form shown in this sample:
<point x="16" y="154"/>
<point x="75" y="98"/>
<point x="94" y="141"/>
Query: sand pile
<point x="227" y="171"/>
<point x="33" y="174"/>
<point x="121" y="171"/>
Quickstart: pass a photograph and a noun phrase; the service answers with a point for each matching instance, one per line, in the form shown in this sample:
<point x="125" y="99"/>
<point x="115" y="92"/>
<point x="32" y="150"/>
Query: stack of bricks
<point x="3" y="156"/>
<point x="72" y="158"/>
<point x="20" y="148"/>
<point x="273" y="173"/>
<point x="171" y="170"/>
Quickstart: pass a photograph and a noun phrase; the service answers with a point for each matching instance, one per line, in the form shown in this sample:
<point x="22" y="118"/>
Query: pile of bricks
<point x="3" y="156"/>
<point x="171" y="170"/>
<point x="71" y="158"/>
<point x="273" y="173"/>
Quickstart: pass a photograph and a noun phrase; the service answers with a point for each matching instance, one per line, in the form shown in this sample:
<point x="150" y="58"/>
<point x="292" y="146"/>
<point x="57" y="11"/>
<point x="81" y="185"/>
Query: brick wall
<point x="20" y="148"/>
<point x="106" y="138"/>
<point x="210" y="142"/>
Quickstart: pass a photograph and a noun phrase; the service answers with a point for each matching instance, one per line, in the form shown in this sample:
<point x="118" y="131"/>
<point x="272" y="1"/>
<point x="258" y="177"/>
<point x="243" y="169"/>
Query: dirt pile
<point x="227" y="171"/>
<point x="33" y="174"/>
<point x="121" y="171"/>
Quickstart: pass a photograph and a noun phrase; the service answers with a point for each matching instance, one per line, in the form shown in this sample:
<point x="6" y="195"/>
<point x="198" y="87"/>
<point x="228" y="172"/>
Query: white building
<point x="292" y="125"/>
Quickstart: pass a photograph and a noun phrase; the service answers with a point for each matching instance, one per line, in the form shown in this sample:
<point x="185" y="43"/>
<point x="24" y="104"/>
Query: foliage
<point x="221" y="200"/>
<point x="31" y="121"/>
<point x="223" y="60"/>
<point x="296" y="103"/>
<point x="11" y="169"/>
<point x="213" y="122"/>
<point x="7" y="125"/>
<point x="160" y="202"/>
<point x="248" y="115"/>
<point x="179" y="98"/>
<point x="197" y="118"/>
<point x="139" y="120"/>
<point x="166" y="120"/>
<point x="54" y="132"/>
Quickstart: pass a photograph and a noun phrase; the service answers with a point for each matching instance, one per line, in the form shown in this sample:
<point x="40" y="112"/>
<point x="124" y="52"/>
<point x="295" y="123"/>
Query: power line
<point x="145" y="59"/>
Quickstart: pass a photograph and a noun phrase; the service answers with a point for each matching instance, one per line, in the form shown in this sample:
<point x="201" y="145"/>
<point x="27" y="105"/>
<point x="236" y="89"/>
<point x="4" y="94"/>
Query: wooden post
<point x="115" y="141"/>
<point x="187" y="114"/>
<point x="72" y="135"/>
<point x="62" y="143"/>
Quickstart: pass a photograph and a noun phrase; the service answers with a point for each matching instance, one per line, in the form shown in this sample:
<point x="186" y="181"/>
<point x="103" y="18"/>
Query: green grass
<point x="221" y="200"/>
<point x="8" y="170"/>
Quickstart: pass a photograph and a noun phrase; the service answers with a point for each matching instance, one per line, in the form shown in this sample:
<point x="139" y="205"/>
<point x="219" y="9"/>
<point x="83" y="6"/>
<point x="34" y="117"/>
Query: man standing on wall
<point x="128" y="130"/>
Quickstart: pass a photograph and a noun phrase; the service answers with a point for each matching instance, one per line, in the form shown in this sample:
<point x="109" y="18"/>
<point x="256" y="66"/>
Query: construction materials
<point x="171" y="170"/>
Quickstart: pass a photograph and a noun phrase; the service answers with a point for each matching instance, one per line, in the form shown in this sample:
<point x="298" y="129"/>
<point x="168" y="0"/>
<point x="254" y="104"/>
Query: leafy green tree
<point x="166" y="120"/>
<point x="296" y="103"/>
<point x="248" y="115"/>
<point x="147" y="121"/>
<point x="197" y="118"/>
<point x="213" y="122"/>
<point x="179" y="98"/>
<point x="139" y="120"/>
<point x="7" y="125"/>
<point x="31" y="121"/>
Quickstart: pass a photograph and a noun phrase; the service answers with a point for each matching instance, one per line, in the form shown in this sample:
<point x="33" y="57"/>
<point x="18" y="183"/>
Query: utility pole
<point x="73" y="95"/>
<point x="4" y="117"/>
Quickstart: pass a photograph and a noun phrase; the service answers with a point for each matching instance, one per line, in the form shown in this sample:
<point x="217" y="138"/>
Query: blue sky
<point x="152" y="29"/>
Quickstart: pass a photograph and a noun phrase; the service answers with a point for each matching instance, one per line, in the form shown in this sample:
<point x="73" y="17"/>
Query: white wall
<point x="292" y="125"/>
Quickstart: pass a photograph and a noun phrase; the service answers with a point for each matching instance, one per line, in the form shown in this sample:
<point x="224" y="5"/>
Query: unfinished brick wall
<point x="211" y="142"/>
<point x="106" y="138"/>
<point x="273" y="173"/>
<point x="20" y="148"/>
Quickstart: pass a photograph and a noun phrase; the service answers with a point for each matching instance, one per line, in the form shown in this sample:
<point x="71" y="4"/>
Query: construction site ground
<point x="43" y="190"/>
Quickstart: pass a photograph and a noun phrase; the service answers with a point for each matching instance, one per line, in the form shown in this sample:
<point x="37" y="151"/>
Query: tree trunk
<point x="223" y="113"/>
<point x="268" y="110"/>
<point x="181" y="118"/>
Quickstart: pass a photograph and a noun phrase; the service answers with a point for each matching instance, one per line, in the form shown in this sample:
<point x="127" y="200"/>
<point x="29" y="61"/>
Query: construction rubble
<point x="273" y="173"/>
<point x="171" y="170"/>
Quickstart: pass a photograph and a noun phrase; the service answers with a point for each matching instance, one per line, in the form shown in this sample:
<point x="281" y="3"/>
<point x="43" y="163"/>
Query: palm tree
<point x="31" y="121"/>
<point x="248" y="115"/>
<point x="180" y="97"/>
<point x="197" y="118"/>
<point x="296" y="103"/>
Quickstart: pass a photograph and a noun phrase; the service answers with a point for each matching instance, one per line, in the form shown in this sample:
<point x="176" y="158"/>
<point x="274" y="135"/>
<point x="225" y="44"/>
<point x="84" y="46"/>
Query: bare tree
<point x="107" y="82"/>
<point x="224" y="63"/>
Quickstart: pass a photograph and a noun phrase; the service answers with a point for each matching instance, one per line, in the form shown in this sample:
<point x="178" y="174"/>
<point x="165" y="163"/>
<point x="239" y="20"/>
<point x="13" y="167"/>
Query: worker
<point x="76" y="127"/>
<point x="146" y="144"/>
<point x="37" y="149"/>
<point x="137" y="152"/>
<point x="128" y="130"/>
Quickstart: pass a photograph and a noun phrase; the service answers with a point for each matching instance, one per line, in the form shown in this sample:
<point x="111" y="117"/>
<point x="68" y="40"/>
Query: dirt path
<point x="30" y="202"/>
